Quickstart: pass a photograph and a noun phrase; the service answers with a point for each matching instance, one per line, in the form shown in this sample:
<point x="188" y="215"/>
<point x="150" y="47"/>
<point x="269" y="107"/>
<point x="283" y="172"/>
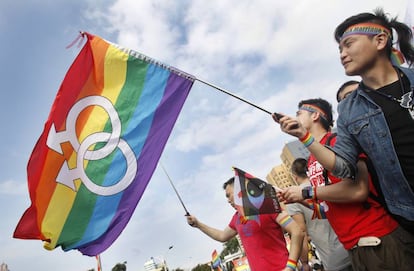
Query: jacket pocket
<point x="362" y="131"/>
<point x="357" y="127"/>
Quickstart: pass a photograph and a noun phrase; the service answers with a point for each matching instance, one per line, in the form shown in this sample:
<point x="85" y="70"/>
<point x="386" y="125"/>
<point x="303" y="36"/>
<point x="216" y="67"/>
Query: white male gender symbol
<point x="67" y="176"/>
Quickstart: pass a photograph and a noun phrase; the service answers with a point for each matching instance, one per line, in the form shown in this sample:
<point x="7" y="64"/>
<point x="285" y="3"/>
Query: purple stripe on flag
<point x="166" y="114"/>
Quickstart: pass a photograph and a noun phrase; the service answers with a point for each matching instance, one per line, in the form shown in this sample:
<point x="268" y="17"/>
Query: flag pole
<point x="233" y="95"/>
<point x="98" y="262"/>
<point x="176" y="192"/>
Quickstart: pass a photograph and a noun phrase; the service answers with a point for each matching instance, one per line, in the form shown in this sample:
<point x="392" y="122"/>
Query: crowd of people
<point x="355" y="192"/>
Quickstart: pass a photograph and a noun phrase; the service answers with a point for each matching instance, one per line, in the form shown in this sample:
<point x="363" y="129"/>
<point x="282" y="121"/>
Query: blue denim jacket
<point x="362" y="127"/>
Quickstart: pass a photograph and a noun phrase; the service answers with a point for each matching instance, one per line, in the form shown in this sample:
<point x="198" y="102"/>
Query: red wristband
<point x="302" y="139"/>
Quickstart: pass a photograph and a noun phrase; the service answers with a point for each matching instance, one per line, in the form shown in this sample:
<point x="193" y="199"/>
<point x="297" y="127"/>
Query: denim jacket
<point x="362" y="128"/>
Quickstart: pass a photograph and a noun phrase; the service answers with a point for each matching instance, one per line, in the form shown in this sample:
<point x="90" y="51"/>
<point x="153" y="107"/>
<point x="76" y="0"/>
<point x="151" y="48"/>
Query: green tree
<point x="119" y="267"/>
<point x="230" y="247"/>
<point x="201" y="267"/>
<point x="178" y="269"/>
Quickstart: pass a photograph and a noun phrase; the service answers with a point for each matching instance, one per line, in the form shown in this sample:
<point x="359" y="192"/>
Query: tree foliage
<point x="201" y="267"/>
<point x="230" y="247"/>
<point x="119" y="267"/>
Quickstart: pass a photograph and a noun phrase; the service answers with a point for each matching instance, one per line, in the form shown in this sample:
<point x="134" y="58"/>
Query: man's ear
<point x="315" y="116"/>
<point x="381" y="40"/>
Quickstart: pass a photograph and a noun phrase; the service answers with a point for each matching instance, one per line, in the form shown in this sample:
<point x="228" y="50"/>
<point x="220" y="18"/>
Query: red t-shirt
<point x="351" y="221"/>
<point x="263" y="241"/>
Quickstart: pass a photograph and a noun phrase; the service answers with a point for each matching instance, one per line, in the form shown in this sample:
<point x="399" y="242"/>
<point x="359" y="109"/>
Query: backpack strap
<point x="325" y="172"/>
<point x="371" y="170"/>
<point x="374" y="180"/>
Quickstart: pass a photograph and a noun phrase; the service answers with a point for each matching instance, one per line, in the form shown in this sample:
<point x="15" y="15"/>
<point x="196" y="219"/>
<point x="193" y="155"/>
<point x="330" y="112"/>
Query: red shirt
<point x="351" y="221"/>
<point x="263" y="240"/>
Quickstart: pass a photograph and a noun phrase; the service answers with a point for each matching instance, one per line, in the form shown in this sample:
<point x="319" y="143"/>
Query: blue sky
<point x="273" y="53"/>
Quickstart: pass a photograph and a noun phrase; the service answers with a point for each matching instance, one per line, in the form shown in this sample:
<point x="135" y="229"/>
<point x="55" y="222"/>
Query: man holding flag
<point x="262" y="235"/>
<point x="378" y="117"/>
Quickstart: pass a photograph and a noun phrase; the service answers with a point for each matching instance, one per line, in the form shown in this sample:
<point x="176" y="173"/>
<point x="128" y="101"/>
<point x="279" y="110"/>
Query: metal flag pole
<point x="176" y="192"/>
<point x="233" y="95"/>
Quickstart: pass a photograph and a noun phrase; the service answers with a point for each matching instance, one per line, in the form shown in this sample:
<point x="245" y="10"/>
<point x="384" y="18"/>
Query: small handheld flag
<point x="253" y="196"/>
<point x="215" y="261"/>
<point x="241" y="264"/>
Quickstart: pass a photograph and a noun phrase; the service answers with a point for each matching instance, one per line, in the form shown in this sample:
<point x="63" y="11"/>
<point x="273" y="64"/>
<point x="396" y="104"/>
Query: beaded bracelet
<point x="291" y="264"/>
<point x="307" y="140"/>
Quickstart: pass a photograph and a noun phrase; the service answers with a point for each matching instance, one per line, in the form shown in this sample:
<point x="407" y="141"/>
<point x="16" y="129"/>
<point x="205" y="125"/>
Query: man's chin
<point x="351" y="72"/>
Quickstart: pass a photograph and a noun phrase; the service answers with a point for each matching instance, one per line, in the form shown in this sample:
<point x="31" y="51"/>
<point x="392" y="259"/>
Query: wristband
<point x="307" y="140"/>
<point x="305" y="136"/>
<point x="291" y="264"/>
<point x="308" y="192"/>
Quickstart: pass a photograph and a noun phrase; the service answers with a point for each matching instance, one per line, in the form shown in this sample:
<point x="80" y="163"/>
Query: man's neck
<point x="301" y="180"/>
<point x="379" y="76"/>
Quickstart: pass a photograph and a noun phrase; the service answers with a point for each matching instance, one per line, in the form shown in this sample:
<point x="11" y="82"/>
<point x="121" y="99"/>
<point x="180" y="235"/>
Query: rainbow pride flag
<point x="107" y="128"/>
<point x="216" y="262"/>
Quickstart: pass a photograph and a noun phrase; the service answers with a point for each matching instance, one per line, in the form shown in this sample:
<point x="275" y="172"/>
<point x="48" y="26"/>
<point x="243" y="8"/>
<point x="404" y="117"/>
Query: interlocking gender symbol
<point x="112" y="141"/>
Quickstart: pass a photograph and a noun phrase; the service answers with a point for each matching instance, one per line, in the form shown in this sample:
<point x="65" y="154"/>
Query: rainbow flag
<point x="253" y="196"/>
<point x="241" y="264"/>
<point x="216" y="262"/>
<point x="107" y="128"/>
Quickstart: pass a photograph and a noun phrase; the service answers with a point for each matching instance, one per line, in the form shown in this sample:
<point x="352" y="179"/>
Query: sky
<point x="271" y="53"/>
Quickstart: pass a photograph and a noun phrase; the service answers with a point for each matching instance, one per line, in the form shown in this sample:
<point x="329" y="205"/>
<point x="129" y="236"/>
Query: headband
<point x="374" y="29"/>
<point x="366" y="29"/>
<point x="314" y="109"/>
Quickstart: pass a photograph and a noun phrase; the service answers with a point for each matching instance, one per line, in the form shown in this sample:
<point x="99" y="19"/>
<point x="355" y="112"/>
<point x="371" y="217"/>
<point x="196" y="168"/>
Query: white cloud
<point x="11" y="187"/>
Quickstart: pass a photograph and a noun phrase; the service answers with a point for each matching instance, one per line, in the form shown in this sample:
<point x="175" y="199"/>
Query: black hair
<point x="299" y="167"/>
<point x="228" y="182"/>
<point x="403" y="31"/>
<point x="326" y="108"/>
<point x="344" y="85"/>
